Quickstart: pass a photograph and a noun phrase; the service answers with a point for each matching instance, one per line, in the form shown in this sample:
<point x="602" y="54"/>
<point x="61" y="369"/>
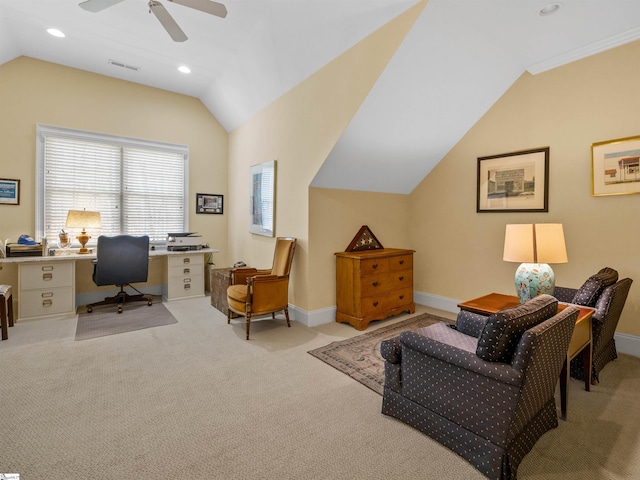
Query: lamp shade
<point x="83" y="219"/>
<point x="535" y="243"/>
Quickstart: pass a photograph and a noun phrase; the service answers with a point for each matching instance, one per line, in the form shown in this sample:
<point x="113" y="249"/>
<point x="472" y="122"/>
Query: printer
<point x="182" y="242"/>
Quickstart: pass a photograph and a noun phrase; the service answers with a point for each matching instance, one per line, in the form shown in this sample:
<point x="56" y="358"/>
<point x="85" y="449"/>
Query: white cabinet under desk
<point x="46" y="289"/>
<point x="183" y="276"/>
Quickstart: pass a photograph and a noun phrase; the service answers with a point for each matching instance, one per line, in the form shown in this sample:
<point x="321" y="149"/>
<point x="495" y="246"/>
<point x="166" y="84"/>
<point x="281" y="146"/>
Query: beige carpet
<point x="195" y="400"/>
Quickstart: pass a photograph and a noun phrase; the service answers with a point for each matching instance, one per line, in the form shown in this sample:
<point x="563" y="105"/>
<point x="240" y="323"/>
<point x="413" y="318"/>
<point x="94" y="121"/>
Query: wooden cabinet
<point x="184" y="276"/>
<point x="46" y="289"/>
<point x="373" y="284"/>
<point x="219" y="284"/>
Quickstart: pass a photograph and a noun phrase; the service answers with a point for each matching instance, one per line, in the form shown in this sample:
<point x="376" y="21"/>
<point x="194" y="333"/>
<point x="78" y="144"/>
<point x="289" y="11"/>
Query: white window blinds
<point x="139" y="187"/>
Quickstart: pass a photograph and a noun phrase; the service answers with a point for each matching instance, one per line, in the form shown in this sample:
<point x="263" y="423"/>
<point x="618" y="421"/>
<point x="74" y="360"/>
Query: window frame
<point x="42" y="131"/>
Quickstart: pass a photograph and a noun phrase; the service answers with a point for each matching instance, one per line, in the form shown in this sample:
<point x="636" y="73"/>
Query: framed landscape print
<point x="514" y="182"/>
<point x="615" y="167"/>
<point x="9" y="192"/>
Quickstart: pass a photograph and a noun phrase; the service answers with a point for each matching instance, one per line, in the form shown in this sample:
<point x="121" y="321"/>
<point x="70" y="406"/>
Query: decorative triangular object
<point x="364" y="240"/>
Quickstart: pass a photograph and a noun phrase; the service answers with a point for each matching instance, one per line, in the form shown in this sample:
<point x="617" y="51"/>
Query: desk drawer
<point x="49" y="301"/>
<point x="186" y="260"/>
<point x="47" y="275"/>
<point x="186" y="286"/>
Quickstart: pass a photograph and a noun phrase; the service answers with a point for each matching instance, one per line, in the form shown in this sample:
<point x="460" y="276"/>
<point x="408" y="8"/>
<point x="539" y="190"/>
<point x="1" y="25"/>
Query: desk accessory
<point x="83" y="219"/>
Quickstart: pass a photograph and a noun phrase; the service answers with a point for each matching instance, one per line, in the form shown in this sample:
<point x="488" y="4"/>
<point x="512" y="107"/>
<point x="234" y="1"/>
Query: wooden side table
<point x="581" y="340"/>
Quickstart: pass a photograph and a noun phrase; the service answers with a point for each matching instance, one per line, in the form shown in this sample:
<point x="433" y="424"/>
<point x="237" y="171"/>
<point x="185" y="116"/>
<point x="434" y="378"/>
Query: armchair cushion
<point x="588" y="293"/>
<point x="503" y="329"/>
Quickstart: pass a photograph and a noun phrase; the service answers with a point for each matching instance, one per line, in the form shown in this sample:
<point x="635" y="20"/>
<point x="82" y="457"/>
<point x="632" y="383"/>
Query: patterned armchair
<point x="607" y="295"/>
<point x="487" y="398"/>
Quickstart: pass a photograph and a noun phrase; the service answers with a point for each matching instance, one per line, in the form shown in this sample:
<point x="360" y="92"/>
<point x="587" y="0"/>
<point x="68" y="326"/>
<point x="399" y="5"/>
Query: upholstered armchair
<point x="487" y="398"/>
<point x="607" y="295"/>
<point x="255" y="292"/>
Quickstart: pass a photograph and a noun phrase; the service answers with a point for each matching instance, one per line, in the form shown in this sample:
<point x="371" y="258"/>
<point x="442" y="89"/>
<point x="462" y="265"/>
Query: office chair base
<point x="121" y="298"/>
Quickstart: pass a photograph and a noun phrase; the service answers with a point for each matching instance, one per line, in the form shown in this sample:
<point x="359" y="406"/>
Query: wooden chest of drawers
<point x="373" y="284"/>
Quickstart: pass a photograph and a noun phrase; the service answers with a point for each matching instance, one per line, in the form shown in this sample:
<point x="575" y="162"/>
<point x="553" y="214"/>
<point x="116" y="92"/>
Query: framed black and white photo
<point x="209" y="203"/>
<point x="9" y="192"/>
<point x="514" y="182"/>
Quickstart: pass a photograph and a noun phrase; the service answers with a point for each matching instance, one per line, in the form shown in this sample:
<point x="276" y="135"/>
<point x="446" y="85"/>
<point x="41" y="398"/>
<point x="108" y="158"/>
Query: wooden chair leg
<point x="248" y="317"/>
<point x="3" y="317"/>
<point x="286" y="314"/>
<point x="10" y="311"/>
<point x="228" y="316"/>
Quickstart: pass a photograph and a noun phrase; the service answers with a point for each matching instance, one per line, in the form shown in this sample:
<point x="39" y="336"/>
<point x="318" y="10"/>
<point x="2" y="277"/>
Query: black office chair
<point x="121" y="261"/>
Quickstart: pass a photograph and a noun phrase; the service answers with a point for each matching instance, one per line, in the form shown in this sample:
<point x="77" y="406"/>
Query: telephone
<point x="239" y="264"/>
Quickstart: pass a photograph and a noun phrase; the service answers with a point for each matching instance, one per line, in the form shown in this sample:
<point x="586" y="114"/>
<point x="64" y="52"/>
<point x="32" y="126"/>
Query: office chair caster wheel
<point x="89" y="309"/>
<point x="119" y="308"/>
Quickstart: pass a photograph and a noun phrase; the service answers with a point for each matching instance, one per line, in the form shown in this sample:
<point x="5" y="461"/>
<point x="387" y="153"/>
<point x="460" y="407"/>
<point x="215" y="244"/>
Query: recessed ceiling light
<point x="184" y="69"/>
<point x="55" y="32"/>
<point x="549" y="9"/>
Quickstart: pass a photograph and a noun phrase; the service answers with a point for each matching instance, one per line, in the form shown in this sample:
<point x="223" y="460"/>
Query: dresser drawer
<point x="371" y="266"/>
<point x="379" y="284"/>
<point x="373" y="306"/>
<point x="186" y="260"/>
<point x="48" y="301"/>
<point x="48" y="275"/>
<point x="401" y="262"/>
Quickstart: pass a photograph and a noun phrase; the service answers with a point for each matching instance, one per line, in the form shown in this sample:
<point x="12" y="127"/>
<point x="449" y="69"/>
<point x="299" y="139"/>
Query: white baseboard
<point x="629" y="344"/>
<point x="312" y="319"/>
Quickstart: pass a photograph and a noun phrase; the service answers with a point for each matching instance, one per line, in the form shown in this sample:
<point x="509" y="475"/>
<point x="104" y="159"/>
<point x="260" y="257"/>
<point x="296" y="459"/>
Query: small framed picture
<point x="615" y="167"/>
<point x="514" y="182"/>
<point x="9" y="192"/>
<point x="209" y="203"/>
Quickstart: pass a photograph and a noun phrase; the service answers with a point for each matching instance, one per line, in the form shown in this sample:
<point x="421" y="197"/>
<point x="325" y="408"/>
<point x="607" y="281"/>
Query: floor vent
<point x="123" y="65"/>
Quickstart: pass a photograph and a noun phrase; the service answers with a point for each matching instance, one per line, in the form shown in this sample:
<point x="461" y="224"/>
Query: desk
<point x="47" y="285"/>
<point x="581" y="340"/>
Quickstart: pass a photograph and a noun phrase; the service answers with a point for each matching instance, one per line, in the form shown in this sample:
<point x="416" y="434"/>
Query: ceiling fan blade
<point x="206" y="6"/>
<point x="97" y="5"/>
<point x="167" y="21"/>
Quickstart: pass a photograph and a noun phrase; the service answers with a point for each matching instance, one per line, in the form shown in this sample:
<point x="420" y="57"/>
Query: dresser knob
<point x="401" y="262"/>
<point x="375" y="304"/>
<point x="375" y="284"/>
<point x="400" y="278"/>
<point x="401" y="297"/>
<point x="375" y="265"/>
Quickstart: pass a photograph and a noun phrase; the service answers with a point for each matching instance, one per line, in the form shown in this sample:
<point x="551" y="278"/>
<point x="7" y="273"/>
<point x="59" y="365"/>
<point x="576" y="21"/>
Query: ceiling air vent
<point x="124" y="65"/>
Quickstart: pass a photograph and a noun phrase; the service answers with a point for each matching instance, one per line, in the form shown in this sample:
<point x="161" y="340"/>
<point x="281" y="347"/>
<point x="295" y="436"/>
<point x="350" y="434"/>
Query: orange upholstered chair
<point x="255" y="292"/>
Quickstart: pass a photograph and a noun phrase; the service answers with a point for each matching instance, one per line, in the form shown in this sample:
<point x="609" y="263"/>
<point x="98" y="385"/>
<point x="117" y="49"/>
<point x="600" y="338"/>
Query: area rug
<point x="135" y="316"/>
<point x="359" y="357"/>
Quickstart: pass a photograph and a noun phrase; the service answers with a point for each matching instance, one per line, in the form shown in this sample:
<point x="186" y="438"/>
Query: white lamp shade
<point x="535" y="243"/>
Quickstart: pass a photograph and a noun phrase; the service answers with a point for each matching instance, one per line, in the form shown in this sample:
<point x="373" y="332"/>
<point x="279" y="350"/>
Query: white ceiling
<point x="459" y="58"/>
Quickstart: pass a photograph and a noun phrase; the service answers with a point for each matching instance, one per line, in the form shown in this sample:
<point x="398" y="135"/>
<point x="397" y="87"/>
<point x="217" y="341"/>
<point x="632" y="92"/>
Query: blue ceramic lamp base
<point x="533" y="279"/>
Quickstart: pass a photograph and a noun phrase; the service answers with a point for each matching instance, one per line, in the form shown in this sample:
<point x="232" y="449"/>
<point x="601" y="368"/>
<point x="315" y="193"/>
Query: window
<point x="138" y="186"/>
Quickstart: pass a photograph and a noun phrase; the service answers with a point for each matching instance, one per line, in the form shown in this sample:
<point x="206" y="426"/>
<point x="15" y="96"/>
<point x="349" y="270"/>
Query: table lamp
<point x="535" y="245"/>
<point x="83" y="219"/>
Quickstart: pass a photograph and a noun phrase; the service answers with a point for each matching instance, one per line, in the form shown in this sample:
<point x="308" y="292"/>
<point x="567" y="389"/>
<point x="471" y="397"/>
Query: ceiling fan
<point x="161" y="13"/>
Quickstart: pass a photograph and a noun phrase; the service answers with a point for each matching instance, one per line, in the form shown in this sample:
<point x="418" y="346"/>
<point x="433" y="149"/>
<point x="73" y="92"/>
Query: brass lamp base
<point x="83" y="238"/>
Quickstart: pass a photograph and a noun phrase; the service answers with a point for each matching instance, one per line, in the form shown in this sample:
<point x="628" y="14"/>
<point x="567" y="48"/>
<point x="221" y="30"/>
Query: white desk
<point x="47" y="285"/>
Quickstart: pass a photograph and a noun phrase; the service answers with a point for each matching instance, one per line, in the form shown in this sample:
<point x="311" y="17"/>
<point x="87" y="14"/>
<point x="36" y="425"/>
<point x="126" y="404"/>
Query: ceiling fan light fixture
<point x="55" y="32"/>
<point x="550" y="9"/>
<point x="184" y="69"/>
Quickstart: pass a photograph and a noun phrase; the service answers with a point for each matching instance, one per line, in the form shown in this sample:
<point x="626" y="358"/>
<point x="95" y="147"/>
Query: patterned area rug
<point x="359" y="357"/>
<point x="135" y="316"/>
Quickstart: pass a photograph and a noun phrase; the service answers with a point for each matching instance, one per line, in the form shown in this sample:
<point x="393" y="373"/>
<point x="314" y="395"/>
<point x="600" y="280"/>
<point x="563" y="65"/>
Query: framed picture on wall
<point x="9" y="192"/>
<point x="209" y="203"/>
<point x="615" y="167"/>
<point x="514" y="182"/>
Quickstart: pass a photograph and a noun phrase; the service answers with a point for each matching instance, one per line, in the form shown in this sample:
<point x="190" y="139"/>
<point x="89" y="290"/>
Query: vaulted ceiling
<point x="457" y="60"/>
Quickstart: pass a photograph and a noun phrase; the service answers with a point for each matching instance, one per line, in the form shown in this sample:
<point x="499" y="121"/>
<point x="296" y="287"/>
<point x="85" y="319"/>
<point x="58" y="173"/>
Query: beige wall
<point x="568" y="108"/>
<point x="33" y="92"/>
<point x="299" y="130"/>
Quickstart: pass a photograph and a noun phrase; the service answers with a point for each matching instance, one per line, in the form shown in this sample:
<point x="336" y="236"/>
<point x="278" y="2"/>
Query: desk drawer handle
<point x="375" y="284"/>
<point x="47" y="295"/>
<point x="186" y="271"/>
<point x="187" y="280"/>
<point x="186" y="260"/>
<point x="47" y="276"/>
<point x="47" y="303"/>
<point x="401" y="278"/>
<point x="47" y="268"/>
<point x="375" y="265"/>
<point x="187" y="286"/>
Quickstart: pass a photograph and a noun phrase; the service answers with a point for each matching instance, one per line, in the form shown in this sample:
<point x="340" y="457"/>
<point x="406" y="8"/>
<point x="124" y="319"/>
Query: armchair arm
<point x="238" y="276"/>
<point x="267" y="293"/>
<point x="501" y="372"/>
<point x="391" y="350"/>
